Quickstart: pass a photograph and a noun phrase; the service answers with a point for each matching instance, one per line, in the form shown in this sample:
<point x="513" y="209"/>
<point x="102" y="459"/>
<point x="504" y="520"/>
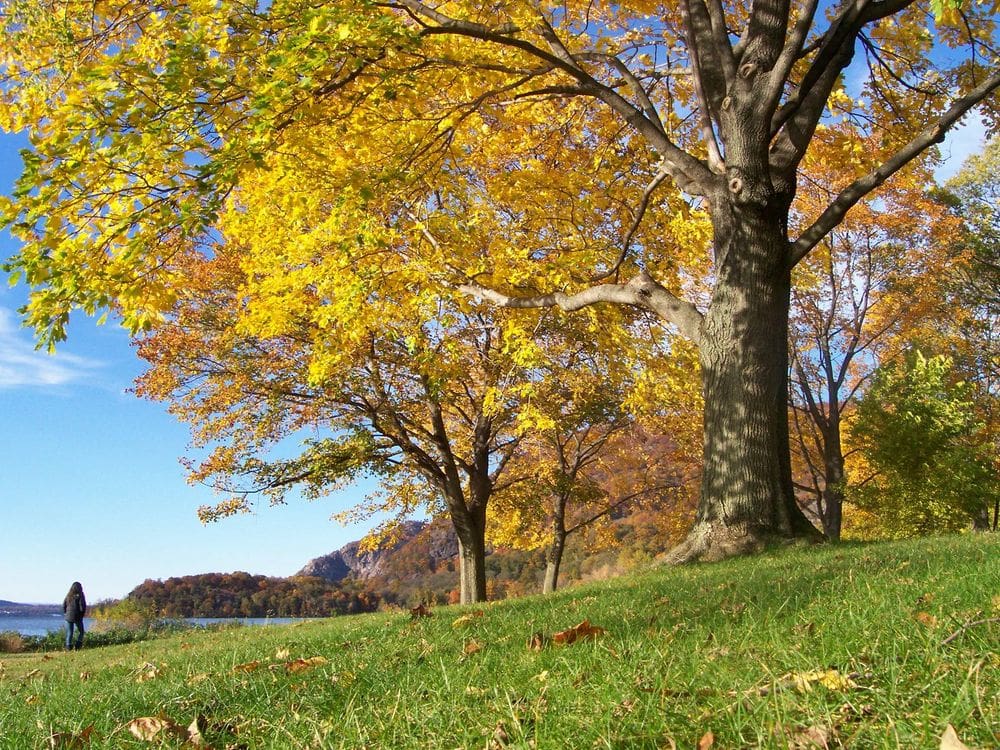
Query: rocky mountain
<point x="435" y="541"/>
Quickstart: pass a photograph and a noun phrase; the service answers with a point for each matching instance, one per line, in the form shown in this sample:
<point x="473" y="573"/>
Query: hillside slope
<point x="873" y="647"/>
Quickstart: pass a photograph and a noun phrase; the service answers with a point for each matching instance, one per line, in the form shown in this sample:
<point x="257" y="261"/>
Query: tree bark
<point x="747" y="498"/>
<point x="553" y="559"/>
<point x="470" y="528"/>
<point x="833" y="479"/>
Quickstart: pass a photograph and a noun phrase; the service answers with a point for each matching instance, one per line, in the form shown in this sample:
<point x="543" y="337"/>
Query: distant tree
<point x="586" y="455"/>
<point x="428" y="406"/>
<point x="930" y="467"/>
<point x="968" y="327"/>
<point x="856" y="300"/>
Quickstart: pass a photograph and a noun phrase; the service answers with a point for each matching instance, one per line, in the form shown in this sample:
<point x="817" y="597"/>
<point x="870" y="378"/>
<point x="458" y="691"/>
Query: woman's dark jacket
<point x="74" y="607"/>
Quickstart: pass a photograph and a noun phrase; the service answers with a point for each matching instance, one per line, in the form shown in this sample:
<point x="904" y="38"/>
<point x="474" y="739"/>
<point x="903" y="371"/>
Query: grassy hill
<point x="857" y="646"/>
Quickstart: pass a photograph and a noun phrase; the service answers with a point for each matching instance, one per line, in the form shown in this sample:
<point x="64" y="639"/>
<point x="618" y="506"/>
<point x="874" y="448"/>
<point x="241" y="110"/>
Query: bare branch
<point x="858" y="189"/>
<point x="643" y="291"/>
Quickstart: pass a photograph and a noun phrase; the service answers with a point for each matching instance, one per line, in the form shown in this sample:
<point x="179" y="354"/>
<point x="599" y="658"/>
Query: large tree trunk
<point x="472" y="570"/>
<point x="747" y="499"/>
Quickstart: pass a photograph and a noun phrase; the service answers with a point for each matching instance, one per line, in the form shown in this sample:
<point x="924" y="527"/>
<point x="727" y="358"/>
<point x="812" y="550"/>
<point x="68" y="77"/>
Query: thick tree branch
<point x="710" y="81"/>
<point x="691" y="175"/>
<point x="858" y="189"/>
<point x="643" y="291"/>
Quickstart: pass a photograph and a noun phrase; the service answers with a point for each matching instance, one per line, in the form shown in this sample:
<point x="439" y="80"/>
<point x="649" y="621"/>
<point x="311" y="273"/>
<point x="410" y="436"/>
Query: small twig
<point x="966" y="626"/>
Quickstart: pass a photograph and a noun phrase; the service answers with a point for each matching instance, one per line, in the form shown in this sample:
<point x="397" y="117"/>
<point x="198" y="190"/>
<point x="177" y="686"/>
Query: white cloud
<point x="22" y="366"/>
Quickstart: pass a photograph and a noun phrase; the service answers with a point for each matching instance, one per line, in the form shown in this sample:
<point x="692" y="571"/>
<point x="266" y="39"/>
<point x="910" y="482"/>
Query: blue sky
<point x="92" y="489"/>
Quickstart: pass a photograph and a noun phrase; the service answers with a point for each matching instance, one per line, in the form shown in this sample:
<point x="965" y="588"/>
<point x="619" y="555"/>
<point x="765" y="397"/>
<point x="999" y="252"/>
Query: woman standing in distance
<point x="74" y="608"/>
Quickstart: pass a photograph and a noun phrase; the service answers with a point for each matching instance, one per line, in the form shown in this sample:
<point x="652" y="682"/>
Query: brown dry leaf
<point x="813" y="738"/>
<point x="32" y="700"/>
<point x="32" y="673"/>
<point x="196" y="678"/>
<point x="926" y="618"/>
<point x="472" y="647"/>
<point x="536" y="642"/>
<point x="194" y="730"/>
<point x="419" y="611"/>
<point x="301" y="665"/>
<point x="70" y="740"/>
<point x="950" y="741"/>
<point x="147" y="672"/>
<point x="706" y="741"/>
<point x="281" y="654"/>
<point x="249" y="666"/>
<point x="500" y="738"/>
<point x="577" y="633"/>
<point x="155" y="728"/>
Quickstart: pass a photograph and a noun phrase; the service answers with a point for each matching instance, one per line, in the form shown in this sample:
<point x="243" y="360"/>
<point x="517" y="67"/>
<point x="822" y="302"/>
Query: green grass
<point x="703" y="648"/>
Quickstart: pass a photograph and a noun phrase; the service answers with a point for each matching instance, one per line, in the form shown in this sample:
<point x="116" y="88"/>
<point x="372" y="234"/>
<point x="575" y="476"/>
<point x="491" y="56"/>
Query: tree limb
<point x="858" y="189"/>
<point x="642" y="291"/>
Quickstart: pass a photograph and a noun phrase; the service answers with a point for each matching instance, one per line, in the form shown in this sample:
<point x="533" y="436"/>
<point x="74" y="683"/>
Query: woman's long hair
<point x="76" y="588"/>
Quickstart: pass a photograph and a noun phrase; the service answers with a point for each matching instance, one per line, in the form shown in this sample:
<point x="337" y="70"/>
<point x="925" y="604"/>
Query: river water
<point x="40" y="625"/>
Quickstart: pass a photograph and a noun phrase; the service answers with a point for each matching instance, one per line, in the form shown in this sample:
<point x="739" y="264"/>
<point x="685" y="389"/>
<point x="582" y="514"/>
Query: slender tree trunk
<point x="470" y="528"/>
<point x="833" y="476"/>
<point x="747" y="498"/>
<point x="553" y="559"/>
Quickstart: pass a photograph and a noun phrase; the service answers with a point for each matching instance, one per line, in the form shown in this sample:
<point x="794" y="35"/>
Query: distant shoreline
<point x="19" y="609"/>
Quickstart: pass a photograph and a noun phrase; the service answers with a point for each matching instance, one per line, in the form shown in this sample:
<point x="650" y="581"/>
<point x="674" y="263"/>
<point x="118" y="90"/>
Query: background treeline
<point x="241" y="594"/>
<point x="411" y="573"/>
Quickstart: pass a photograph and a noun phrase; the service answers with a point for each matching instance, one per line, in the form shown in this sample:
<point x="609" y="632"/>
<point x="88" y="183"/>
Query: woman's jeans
<point x="69" y="634"/>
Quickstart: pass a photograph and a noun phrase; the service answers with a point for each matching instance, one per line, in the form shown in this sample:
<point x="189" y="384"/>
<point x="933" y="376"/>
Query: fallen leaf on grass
<point x="577" y="633"/>
<point x="706" y="741"/>
<point x="301" y="665"/>
<point x="147" y="672"/>
<point x="419" y="611"/>
<point x="467" y="619"/>
<point x="500" y="738"/>
<point x="249" y="666"/>
<point x="950" y="741"/>
<point x="85" y="676"/>
<point x="281" y="653"/>
<point x="926" y="618"/>
<point x="536" y="641"/>
<point x="472" y="647"/>
<point x="831" y="679"/>
<point x="810" y="738"/>
<point x="70" y="740"/>
<point x="194" y="729"/>
<point x="155" y="728"/>
<point x="32" y="700"/>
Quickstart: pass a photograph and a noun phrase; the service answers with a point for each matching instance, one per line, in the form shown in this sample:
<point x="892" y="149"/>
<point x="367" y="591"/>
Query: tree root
<point x="711" y="542"/>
